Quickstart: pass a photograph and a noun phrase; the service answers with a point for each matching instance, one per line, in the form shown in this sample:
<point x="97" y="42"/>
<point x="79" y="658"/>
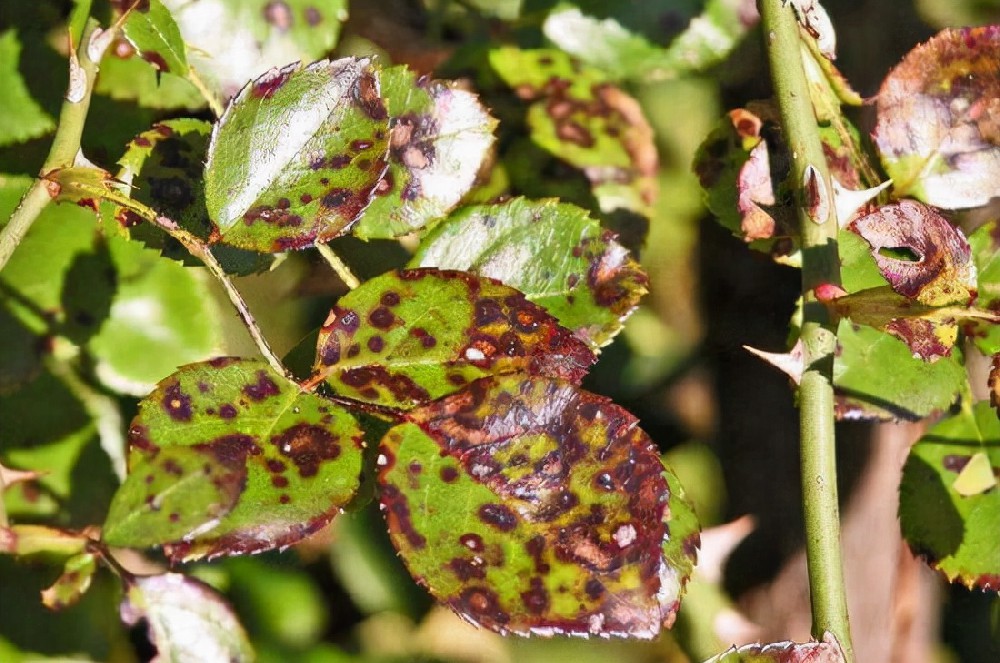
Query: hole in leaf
<point x="904" y="253"/>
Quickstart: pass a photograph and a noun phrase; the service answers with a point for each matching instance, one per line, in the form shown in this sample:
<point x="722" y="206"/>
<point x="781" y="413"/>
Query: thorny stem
<point x="200" y="250"/>
<point x="339" y="266"/>
<point x="84" y="63"/>
<point x="820" y="264"/>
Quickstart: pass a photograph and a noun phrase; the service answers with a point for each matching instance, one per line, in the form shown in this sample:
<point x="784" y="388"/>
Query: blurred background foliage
<point x="724" y="420"/>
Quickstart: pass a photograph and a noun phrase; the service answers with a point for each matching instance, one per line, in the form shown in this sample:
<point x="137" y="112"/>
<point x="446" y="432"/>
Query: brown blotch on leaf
<point x="381" y="317"/>
<point x="536" y="599"/>
<point x="227" y="411"/>
<point x="278" y="14"/>
<point x="177" y="403"/>
<point x="499" y="516"/>
<point x="263" y="388"/>
<point x="307" y="446"/>
<point x="367" y="96"/>
<point x="466" y="570"/>
<point x="397" y="512"/>
<point x="265" y="86"/>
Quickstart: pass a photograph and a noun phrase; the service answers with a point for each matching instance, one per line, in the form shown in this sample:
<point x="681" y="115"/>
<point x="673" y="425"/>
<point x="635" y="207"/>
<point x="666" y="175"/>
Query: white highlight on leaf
<point x="625" y="535"/>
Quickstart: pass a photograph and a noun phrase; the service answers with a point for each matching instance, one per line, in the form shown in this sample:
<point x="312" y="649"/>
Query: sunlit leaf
<point x="23" y="118"/>
<point x="297" y="156"/>
<point x="953" y="527"/>
<point x="186" y="620"/>
<point x="530" y="506"/>
<point x="985" y="244"/>
<point x="920" y="253"/>
<point x="34" y="539"/>
<point x="440" y="135"/>
<point x="227" y="457"/>
<point x="126" y="76"/>
<point x="235" y="41"/>
<point x="554" y="253"/>
<point x="407" y="337"/>
<point x="72" y="584"/>
<point x="609" y="46"/>
<point x="827" y="651"/>
<point x="938" y="128"/>
<point x="155" y="36"/>
<point x="580" y="117"/>
<point x="879" y="377"/>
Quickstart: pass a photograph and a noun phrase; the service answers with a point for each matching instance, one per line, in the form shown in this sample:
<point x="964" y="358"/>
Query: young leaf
<point x="530" y="506"/>
<point x="72" y="584"/>
<point x="943" y="519"/>
<point x="439" y="138"/>
<point x="938" y="126"/>
<point x="583" y="119"/>
<point x="227" y="457"/>
<point x="879" y="377"/>
<point x="187" y="621"/>
<point x="407" y="337"/>
<point x="155" y="36"/>
<point x="33" y="539"/>
<point x="554" y="253"/>
<point x="297" y="156"/>
<point x="23" y="118"/>
<point x="920" y="253"/>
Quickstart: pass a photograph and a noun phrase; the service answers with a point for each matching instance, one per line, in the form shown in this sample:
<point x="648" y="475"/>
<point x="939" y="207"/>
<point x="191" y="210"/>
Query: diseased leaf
<point x="878" y="377"/>
<point x="530" y="506"/>
<point x="954" y="527"/>
<point x="235" y="41"/>
<point x="297" y="156"/>
<point x="227" y="457"/>
<point x="162" y="316"/>
<point x="985" y="245"/>
<point x="438" y="140"/>
<point x="153" y="33"/>
<point x="127" y="77"/>
<point x="920" y="253"/>
<point x="827" y="651"/>
<point x="623" y="54"/>
<point x="33" y="539"/>
<point x="23" y="118"/>
<point x="554" y="253"/>
<point x="585" y="120"/>
<point x="407" y="337"/>
<point x="938" y="126"/>
<point x="187" y="621"/>
<point x="72" y="584"/>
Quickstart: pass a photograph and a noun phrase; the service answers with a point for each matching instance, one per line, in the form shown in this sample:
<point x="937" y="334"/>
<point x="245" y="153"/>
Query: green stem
<point x="820" y="264"/>
<point x="339" y="266"/>
<point x="66" y="143"/>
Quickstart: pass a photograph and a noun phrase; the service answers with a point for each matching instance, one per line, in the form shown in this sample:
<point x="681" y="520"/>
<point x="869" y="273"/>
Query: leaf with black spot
<point x="578" y="115"/>
<point x="949" y="502"/>
<point x="938" y="126"/>
<point x="151" y="30"/>
<point x="554" y="253"/>
<point x="527" y="505"/>
<point x="297" y="156"/>
<point x="186" y="620"/>
<point x="407" y="337"/>
<point x="227" y="457"/>
<point x="74" y="582"/>
<point x="440" y="135"/>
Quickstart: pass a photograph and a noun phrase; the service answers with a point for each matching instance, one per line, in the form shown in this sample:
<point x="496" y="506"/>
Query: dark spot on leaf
<point x="354" y="350"/>
<point x="263" y="388"/>
<point x="488" y="311"/>
<point x="284" y="499"/>
<point x="336" y="197"/>
<point x="275" y="465"/>
<point x="307" y="446"/>
<point x="536" y="599"/>
<point x="174" y="517"/>
<point x="313" y="16"/>
<point x="415" y="468"/>
<point x="170" y="466"/>
<point x="367" y="96"/>
<point x="483" y="605"/>
<point x="594" y="588"/>
<point x="279" y="481"/>
<point x="955" y="462"/>
<point x="339" y="161"/>
<point x="381" y="317"/>
<point x="177" y="403"/>
<point x="278" y="14"/>
<point x="398" y="513"/>
<point x="472" y="541"/>
<point x="227" y="411"/>
<point x="466" y="570"/>
<point x="499" y="516"/>
<point x="375" y="344"/>
<point x="449" y="474"/>
<point x="265" y="86"/>
<point x="390" y="299"/>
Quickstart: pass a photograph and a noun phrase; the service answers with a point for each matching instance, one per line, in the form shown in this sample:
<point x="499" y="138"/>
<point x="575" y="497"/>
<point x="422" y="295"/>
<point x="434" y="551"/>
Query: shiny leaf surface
<point x="407" y="337"/>
<point x="155" y="36"/>
<point x="530" y="506"/>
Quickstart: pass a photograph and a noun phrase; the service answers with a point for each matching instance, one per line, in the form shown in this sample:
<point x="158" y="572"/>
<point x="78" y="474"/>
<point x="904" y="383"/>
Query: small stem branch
<point x="820" y="264"/>
<point x="339" y="266"/>
<point x="207" y="95"/>
<point x="65" y="144"/>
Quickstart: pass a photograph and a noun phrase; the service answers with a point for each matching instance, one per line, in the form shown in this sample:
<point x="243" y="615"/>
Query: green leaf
<point x="227" y="457"/>
<point x="162" y="316"/>
<point x="938" y="130"/>
<point x="827" y="651"/>
<point x="582" y="118"/>
<point x="127" y="77"/>
<point x="954" y="528"/>
<point x="985" y="244"/>
<point x="529" y="506"/>
<point x="234" y="41"/>
<point x="297" y="156"/>
<point x="407" y="337"/>
<point x="187" y="621"/>
<point x="72" y="584"/>
<point x="623" y="54"/>
<point x="34" y="539"/>
<point x="152" y="31"/>
<point x="439" y="138"/>
<point x="554" y="253"/>
<point x="880" y="378"/>
<point x="858" y="269"/>
<point x="21" y="116"/>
